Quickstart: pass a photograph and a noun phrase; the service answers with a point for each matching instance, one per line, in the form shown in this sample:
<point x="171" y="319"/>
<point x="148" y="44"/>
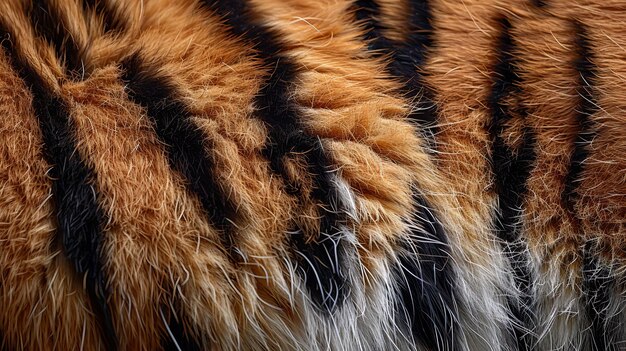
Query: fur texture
<point x="312" y="175"/>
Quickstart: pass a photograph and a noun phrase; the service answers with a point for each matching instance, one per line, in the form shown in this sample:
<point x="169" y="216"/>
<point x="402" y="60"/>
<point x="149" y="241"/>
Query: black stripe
<point x="320" y="253"/>
<point x="587" y="106"/>
<point x="420" y="36"/>
<point x="416" y="46"/>
<point x="80" y="219"/>
<point x="366" y="13"/>
<point x="185" y="145"/>
<point x="406" y="58"/>
<point x="186" y="150"/>
<point x="408" y="55"/>
<point x="427" y="298"/>
<point x="426" y="279"/>
<point x="511" y="169"/>
<point x="597" y="281"/>
<point x="110" y="21"/>
<point x="49" y="25"/>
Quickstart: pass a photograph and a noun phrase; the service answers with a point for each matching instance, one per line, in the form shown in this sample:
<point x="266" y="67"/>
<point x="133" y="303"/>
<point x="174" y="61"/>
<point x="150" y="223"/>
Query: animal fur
<point x="312" y="175"/>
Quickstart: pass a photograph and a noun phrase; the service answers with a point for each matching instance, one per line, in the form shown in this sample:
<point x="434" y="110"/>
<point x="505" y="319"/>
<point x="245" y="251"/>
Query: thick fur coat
<point x="312" y="175"/>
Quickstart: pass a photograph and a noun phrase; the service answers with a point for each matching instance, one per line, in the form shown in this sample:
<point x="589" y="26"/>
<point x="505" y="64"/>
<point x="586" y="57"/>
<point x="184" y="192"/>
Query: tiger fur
<point x="312" y="175"/>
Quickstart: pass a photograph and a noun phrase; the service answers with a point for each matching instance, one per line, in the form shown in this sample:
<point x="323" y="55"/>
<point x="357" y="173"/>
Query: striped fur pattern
<point x="312" y="175"/>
